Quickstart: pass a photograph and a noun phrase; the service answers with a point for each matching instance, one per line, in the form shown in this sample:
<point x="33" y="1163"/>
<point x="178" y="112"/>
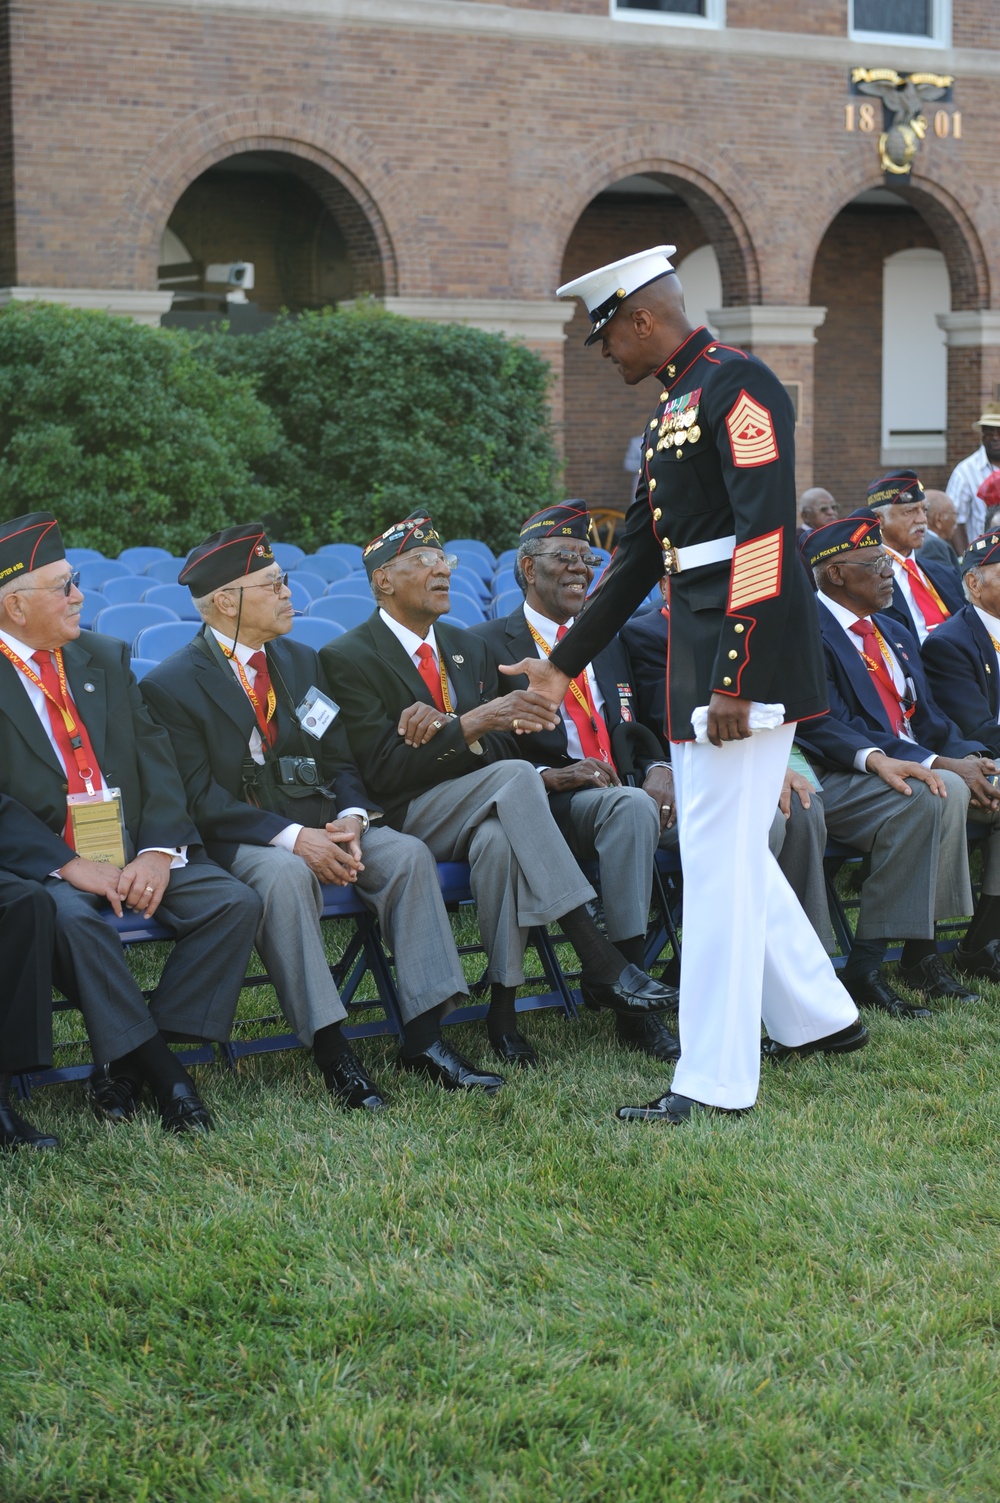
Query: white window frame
<point x="940" y="29"/>
<point x="714" y="17"/>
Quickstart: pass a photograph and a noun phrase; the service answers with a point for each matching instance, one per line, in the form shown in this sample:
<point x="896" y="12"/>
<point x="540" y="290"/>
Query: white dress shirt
<point x="847" y="619"/>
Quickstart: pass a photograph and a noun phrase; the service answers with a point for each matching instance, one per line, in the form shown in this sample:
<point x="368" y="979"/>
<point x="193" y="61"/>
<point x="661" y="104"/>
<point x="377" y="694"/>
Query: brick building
<point x="461" y="158"/>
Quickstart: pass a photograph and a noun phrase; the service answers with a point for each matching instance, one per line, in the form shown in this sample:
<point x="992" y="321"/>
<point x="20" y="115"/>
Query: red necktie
<point x="262" y="694"/>
<point x="593" y="732"/>
<point x="74" y="776"/>
<point x="430" y="673"/>
<point x="879" y="674"/>
<point x="929" y="602"/>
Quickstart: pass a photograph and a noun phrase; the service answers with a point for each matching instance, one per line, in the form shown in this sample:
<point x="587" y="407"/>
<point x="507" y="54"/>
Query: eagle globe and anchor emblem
<point x="903" y="97"/>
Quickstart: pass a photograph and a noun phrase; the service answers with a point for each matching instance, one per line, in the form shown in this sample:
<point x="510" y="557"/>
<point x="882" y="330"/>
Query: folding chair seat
<point x="176" y="597"/>
<point x="138" y="559"/>
<point x="352" y="552"/>
<point x="127" y="621"/>
<point x="126" y="588"/>
<point x="287" y="555"/>
<point x="328" y="566"/>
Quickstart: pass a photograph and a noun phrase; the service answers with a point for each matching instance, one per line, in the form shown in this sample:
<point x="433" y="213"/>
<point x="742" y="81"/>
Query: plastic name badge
<point x="316" y="713"/>
<point x="97" y="825"/>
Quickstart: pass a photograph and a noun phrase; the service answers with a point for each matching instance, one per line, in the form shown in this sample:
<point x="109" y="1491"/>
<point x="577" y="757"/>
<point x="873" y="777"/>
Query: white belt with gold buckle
<point x="715" y="552"/>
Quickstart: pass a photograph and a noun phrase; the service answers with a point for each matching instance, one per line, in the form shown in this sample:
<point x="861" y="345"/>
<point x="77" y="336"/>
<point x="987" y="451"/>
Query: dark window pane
<point x="674" y="7"/>
<point x="905" y="18"/>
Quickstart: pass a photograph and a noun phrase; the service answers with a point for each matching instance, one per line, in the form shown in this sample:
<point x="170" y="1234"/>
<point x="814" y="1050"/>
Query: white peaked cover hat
<point x="604" y="289"/>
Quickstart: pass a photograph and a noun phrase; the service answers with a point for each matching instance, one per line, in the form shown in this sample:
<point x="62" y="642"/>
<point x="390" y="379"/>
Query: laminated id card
<point x="97" y="825"/>
<point x="316" y="713"/>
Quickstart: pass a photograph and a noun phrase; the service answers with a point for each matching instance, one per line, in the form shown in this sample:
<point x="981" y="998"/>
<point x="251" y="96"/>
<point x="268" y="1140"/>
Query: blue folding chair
<point x="463" y="612"/>
<point x="93" y="603"/>
<point x="328" y="566"/>
<point x="77" y="556"/>
<point x="314" y="631"/>
<point x="352" y="552"/>
<point x="472" y="545"/>
<point x="505" y="560"/>
<point x="475" y="562"/>
<point x="141" y="666"/>
<point x="137" y="559"/>
<point x="473" y="581"/>
<point x="349" y="610"/>
<point x="158" y="642"/>
<point x="128" y="587"/>
<point x="94" y="572"/>
<point x="354" y="584"/>
<point x="313" y="584"/>
<point x="164" y="570"/>
<point x="287" y="554"/>
<point x="504" y="579"/>
<point x="127" y="621"/>
<point x="176" y="597"/>
<point x="507" y="602"/>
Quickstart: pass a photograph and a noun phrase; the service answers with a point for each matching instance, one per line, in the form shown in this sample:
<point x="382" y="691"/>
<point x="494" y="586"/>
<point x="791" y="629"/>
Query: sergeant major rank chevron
<point x="751" y="433"/>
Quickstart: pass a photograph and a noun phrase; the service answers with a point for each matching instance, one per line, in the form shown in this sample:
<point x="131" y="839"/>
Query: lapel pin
<point x="89" y="688"/>
<point x="457" y="657"/>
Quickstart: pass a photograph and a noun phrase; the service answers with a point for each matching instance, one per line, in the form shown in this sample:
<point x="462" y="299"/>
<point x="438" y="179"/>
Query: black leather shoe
<point x="984" y="962"/>
<point x="854" y="1036"/>
<point x="872" y="990"/>
<point x="444" y="1065"/>
<point x="348" y="1080"/>
<point x="514" y="1049"/>
<point x="673" y="1109"/>
<point x="16" y="1133"/>
<point x="184" y="1111"/>
<point x="634" y="993"/>
<point x="648" y="1036"/>
<point x="114" y="1098"/>
<point x="932" y="977"/>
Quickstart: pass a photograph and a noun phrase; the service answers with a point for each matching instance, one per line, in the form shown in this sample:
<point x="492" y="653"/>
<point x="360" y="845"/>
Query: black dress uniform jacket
<point x="28" y="853"/>
<point x="196" y="696"/>
<point x="961" y="665"/>
<point x="374" y="679"/>
<point x="746" y="627"/>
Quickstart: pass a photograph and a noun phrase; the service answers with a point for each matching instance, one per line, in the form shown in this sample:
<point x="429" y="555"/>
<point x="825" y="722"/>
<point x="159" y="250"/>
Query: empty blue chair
<point x="506" y="559"/>
<point x="352" y="552"/>
<point x="312" y="583"/>
<point x="141" y="666"/>
<point x="314" y="631"/>
<point x="128" y="620"/>
<point x="93" y="603"/>
<point x="176" y="597"/>
<point x="95" y="571"/>
<point x="127" y="587"/>
<point x="137" y="559"/>
<point x="301" y="598"/>
<point x="82" y="555"/>
<point x="165" y="570"/>
<point x="504" y="580"/>
<point x="354" y="584"/>
<point x="462" y="587"/>
<point x="463" y="612"/>
<point x="476" y="563"/>
<point x="348" y="610"/>
<point x="287" y="554"/>
<point x="472" y="545"/>
<point x="328" y="566"/>
<point x="158" y="642"/>
<point x="474" y="581"/>
<point x="507" y="601"/>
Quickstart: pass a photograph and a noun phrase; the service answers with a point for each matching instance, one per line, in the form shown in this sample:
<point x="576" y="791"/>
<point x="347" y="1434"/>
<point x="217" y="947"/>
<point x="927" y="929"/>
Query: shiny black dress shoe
<point x="514" y="1049"/>
<point x="673" y="1109"/>
<point x="984" y="962"/>
<point x="114" y="1098"/>
<point x="16" y="1133"/>
<point x="648" y="1035"/>
<point x="634" y="994"/>
<point x="872" y="990"/>
<point x="854" y="1036"/>
<point x="446" y="1067"/>
<point x="184" y="1111"/>
<point x="932" y="977"/>
<point x="348" y="1080"/>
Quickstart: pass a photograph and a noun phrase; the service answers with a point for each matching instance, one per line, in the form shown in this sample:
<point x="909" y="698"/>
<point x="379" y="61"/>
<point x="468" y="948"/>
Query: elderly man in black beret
<point x="924" y="593"/>
<point x="279" y="802"/>
<point x="437" y="742"/>
<point x="77" y="747"/>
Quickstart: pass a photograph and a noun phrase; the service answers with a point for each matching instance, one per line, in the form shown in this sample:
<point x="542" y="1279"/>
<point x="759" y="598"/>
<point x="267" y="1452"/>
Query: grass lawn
<point x="517" y="1298"/>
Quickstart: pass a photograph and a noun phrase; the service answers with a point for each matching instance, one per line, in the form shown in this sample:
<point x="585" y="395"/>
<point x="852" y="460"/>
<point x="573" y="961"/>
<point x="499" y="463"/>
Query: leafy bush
<point x="381" y="414"/>
<point x="125" y="432"/>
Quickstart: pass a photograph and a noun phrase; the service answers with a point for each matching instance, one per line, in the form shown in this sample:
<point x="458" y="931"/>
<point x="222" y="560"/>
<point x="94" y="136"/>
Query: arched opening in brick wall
<point x="603" y="417"/>
<point x="308" y="238"/>
<point x="887" y="393"/>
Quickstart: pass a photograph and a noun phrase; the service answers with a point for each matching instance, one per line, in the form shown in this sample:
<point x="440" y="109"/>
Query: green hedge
<point x="328" y="426"/>
<point x="381" y="414"/>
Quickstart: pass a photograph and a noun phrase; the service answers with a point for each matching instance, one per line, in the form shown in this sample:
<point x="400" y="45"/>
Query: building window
<point x="674" y="12"/>
<point x="924" y="22"/>
<point x="915" y="287"/>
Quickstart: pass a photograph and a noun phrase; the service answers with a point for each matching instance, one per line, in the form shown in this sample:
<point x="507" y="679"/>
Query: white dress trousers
<point x="748" y="950"/>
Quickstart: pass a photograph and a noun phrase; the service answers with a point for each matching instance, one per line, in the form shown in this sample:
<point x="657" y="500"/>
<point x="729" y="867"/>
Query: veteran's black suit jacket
<point x="633" y="747"/>
<point x="132" y="752"/>
<point x="856" y="718"/>
<point x="961" y="667"/>
<point x="947" y="583"/>
<point x="374" y="679"/>
<point x="762" y="644"/>
<point x="28" y="848"/>
<point x="196" y="696"/>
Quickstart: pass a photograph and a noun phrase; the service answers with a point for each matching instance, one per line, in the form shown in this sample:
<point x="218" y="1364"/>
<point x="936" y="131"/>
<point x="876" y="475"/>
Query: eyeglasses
<point x="277" y="585"/>
<point x="881" y="565"/>
<point x="564" y="556"/>
<point x="65" y="587"/>
<point x="425" y="557"/>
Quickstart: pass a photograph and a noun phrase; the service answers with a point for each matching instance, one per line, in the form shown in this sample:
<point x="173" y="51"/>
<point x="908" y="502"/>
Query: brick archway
<point x="338" y="162"/>
<point x="711" y="189"/>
